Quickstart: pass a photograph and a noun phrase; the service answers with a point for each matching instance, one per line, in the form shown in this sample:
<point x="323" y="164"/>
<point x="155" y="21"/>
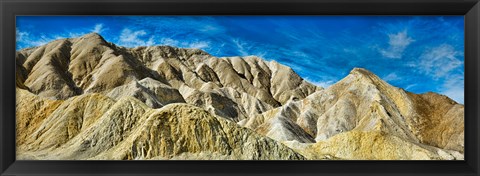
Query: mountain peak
<point x="362" y="71"/>
<point x="92" y="34"/>
<point x="93" y="37"/>
<point x="212" y="93"/>
<point x="366" y="74"/>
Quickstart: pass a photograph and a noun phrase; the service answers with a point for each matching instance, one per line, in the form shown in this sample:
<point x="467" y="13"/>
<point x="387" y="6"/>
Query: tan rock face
<point x="70" y="67"/>
<point x="129" y="129"/>
<point x="66" y="121"/>
<point x="362" y="107"/>
<point x="31" y="111"/>
<point x="85" y="98"/>
<point x="151" y="92"/>
<point x="375" y="145"/>
<point x="439" y="121"/>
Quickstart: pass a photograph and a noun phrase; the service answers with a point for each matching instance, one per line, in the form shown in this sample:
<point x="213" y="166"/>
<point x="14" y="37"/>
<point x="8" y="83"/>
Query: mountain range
<point x="86" y="98"/>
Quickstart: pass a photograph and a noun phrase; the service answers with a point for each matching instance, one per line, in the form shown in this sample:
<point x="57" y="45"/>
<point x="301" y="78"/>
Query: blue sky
<point x="417" y="53"/>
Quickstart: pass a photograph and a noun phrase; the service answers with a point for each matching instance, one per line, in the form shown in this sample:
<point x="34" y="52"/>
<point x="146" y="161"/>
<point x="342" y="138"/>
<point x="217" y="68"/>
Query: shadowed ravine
<point x="85" y="98"/>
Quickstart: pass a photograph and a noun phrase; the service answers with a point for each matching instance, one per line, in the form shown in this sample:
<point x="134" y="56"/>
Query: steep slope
<point x="372" y="145"/>
<point x="151" y="92"/>
<point x="31" y="111"/>
<point x="92" y="126"/>
<point x="362" y="102"/>
<point x="64" y="123"/>
<point x="68" y="67"/>
<point x="47" y="71"/>
<point x="438" y="121"/>
<point x="85" y="98"/>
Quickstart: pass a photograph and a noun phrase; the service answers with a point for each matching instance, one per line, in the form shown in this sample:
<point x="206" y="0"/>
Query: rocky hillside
<point x="93" y="126"/>
<point x="363" y="117"/>
<point x="86" y="98"/>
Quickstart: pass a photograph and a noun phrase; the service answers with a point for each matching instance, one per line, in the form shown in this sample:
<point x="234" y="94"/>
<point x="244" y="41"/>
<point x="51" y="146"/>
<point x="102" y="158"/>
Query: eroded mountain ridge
<point x="85" y="98"/>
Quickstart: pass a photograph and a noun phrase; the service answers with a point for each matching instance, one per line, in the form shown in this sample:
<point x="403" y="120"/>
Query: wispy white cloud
<point x="248" y="48"/>
<point x="443" y="63"/>
<point x="439" y="61"/>
<point x="22" y="36"/>
<point x="169" y="42"/>
<point x="453" y="87"/>
<point x="130" y="38"/>
<point x="199" y="45"/>
<point x="391" y="77"/>
<point x="185" y="44"/>
<point x="212" y="28"/>
<point x="408" y="87"/>
<point x="71" y="35"/>
<point x="320" y="83"/>
<point x="172" y="26"/>
<point x="398" y="42"/>
<point x="242" y="47"/>
<point x="26" y="39"/>
<point x="99" y="28"/>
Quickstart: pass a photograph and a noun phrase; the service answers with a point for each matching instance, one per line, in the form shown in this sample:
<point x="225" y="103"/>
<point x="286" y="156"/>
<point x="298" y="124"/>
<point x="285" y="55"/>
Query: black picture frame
<point x="10" y="8"/>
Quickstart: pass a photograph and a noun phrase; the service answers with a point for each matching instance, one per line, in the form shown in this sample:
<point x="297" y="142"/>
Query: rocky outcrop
<point x="362" y="105"/>
<point x="373" y="145"/>
<point x="85" y="98"/>
<point x="65" y="122"/>
<point x="31" y="111"/>
<point x="438" y="121"/>
<point x="88" y="64"/>
<point x="92" y="126"/>
<point x="151" y="92"/>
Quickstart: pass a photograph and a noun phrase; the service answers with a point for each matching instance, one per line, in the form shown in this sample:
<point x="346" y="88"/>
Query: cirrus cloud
<point x="397" y="44"/>
<point x="440" y="61"/>
<point x="130" y="38"/>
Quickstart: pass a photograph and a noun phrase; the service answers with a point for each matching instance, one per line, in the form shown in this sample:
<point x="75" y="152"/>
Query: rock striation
<point x="86" y="98"/>
<point x="361" y="107"/>
<point x="69" y="67"/>
<point x="93" y="126"/>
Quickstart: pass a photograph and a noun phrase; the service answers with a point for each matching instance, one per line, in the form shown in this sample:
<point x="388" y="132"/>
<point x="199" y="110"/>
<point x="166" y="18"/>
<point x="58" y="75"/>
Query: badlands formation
<point x="86" y="98"/>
